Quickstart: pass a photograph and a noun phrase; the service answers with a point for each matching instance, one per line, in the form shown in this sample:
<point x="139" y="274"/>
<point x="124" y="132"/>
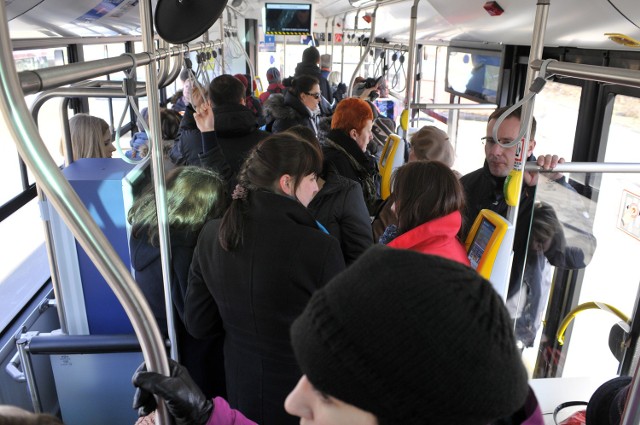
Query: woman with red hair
<point x="346" y="148"/>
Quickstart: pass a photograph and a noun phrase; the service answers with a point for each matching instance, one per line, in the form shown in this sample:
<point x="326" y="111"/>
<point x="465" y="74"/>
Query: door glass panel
<point x="611" y="275"/>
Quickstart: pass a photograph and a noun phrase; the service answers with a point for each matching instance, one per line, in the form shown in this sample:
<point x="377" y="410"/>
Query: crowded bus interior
<point x="203" y="187"/>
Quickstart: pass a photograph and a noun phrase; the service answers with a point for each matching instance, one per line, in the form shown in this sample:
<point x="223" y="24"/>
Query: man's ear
<point x="353" y="133"/>
<point x="285" y="183"/>
<point x="530" y="147"/>
<point x="243" y="101"/>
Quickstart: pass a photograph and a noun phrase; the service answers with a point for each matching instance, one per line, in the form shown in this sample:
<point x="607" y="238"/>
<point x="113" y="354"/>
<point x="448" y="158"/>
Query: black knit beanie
<point x="413" y="339"/>
<point x="607" y="402"/>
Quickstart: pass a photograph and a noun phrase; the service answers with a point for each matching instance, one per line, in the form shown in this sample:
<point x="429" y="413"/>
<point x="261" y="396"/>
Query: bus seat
<point x="92" y="375"/>
<point x="89" y="303"/>
<point x="391" y="158"/>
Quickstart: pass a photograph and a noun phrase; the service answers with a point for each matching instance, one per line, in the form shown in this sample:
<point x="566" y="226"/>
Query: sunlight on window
<point x="556" y="112"/>
<point x="617" y="228"/>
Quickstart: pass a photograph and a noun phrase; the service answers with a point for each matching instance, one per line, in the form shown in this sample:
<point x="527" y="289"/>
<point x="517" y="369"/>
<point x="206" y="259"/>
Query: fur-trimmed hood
<point x="285" y="106"/>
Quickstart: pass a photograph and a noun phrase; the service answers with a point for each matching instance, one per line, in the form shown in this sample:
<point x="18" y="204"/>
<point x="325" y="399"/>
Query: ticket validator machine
<point x="489" y="248"/>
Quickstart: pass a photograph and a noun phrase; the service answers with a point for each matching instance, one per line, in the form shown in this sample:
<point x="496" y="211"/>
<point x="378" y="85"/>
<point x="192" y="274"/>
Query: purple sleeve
<point x="223" y="414"/>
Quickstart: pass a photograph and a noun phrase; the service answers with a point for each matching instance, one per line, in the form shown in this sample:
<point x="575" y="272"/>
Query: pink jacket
<point x="223" y="414"/>
<point x="435" y="237"/>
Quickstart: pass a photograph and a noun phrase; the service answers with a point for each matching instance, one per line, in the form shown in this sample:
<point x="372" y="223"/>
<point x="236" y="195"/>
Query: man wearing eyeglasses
<point x="484" y="189"/>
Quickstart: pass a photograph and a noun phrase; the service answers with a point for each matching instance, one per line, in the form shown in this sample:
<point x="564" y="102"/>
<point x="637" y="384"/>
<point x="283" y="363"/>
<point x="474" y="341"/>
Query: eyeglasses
<point x="490" y="141"/>
<point x="314" y="95"/>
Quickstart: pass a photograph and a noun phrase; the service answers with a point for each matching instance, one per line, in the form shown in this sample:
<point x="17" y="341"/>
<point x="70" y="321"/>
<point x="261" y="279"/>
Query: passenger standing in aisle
<point x="427" y="200"/>
<point x="399" y="338"/>
<point x="254" y="271"/>
<point x="275" y="84"/>
<point x="299" y="105"/>
<point x="236" y="127"/>
<point x="484" y="189"/>
<point x="194" y="196"/>
<point x="339" y="206"/>
<point x="345" y="148"/>
<point x="309" y="66"/>
<point x="427" y="144"/>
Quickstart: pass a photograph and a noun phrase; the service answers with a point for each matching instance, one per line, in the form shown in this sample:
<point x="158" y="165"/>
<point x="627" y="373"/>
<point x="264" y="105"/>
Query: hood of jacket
<point x="234" y="120"/>
<point x="285" y="107"/>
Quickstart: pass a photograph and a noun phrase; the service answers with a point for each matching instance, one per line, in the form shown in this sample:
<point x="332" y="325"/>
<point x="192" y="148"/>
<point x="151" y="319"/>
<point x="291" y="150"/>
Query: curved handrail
<point x="587" y="306"/>
<point x="62" y="196"/>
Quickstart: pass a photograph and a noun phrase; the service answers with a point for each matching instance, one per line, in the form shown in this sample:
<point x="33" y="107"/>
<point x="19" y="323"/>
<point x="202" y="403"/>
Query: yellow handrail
<point x="586" y="306"/>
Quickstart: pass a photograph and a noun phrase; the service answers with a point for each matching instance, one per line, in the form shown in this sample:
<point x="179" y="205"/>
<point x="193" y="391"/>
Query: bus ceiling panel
<point x="17" y="8"/>
<point x="396" y="17"/>
<point x="73" y="17"/>
<point x="628" y="9"/>
<point x="565" y="27"/>
<point x="467" y="20"/>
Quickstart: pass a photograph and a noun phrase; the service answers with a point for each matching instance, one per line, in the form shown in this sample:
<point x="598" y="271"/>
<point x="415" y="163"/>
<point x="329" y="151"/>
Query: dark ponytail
<point x="279" y="154"/>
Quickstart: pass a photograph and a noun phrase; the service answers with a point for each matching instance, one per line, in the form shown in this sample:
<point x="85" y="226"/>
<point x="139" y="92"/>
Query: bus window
<point x="11" y="181"/>
<point x="556" y="112"/>
<point x="612" y="276"/>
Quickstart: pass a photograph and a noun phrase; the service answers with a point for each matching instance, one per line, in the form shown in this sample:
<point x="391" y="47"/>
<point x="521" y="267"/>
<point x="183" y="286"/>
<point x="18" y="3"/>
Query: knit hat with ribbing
<point x="273" y="75"/>
<point x="413" y="339"/>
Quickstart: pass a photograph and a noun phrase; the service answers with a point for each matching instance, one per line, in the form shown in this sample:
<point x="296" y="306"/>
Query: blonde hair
<point x="334" y="78"/>
<point x="16" y="416"/>
<point x="87" y="136"/>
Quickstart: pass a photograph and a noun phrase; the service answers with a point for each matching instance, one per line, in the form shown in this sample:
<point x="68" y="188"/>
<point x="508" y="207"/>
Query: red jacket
<point x="435" y="237"/>
<point x="272" y="88"/>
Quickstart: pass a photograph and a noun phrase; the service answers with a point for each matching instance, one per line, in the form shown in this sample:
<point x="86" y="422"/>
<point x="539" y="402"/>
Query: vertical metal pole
<point x="53" y="261"/>
<point x="157" y="168"/>
<point x="537" y="46"/>
<point x="408" y="98"/>
<point x="417" y="86"/>
<point x="366" y="50"/>
<point x="326" y="35"/>
<point x="631" y="414"/>
<point x="344" y="37"/>
<point x="27" y="367"/>
<point x="333" y="41"/>
<point x="453" y="122"/>
<point x="284" y="53"/>
<point x="222" y="62"/>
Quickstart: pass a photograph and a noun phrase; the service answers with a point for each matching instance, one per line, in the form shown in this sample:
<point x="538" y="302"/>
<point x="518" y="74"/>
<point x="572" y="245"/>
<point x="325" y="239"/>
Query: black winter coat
<point x="285" y="111"/>
<point x="202" y="358"/>
<point x="340" y="207"/>
<point x="349" y="161"/>
<point x="188" y="145"/>
<point x="237" y="133"/>
<point x="255" y="292"/>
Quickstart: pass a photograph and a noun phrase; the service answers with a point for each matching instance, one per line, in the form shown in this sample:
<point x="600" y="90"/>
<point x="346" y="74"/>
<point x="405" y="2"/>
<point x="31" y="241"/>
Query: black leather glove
<point x="184" y="400"/>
